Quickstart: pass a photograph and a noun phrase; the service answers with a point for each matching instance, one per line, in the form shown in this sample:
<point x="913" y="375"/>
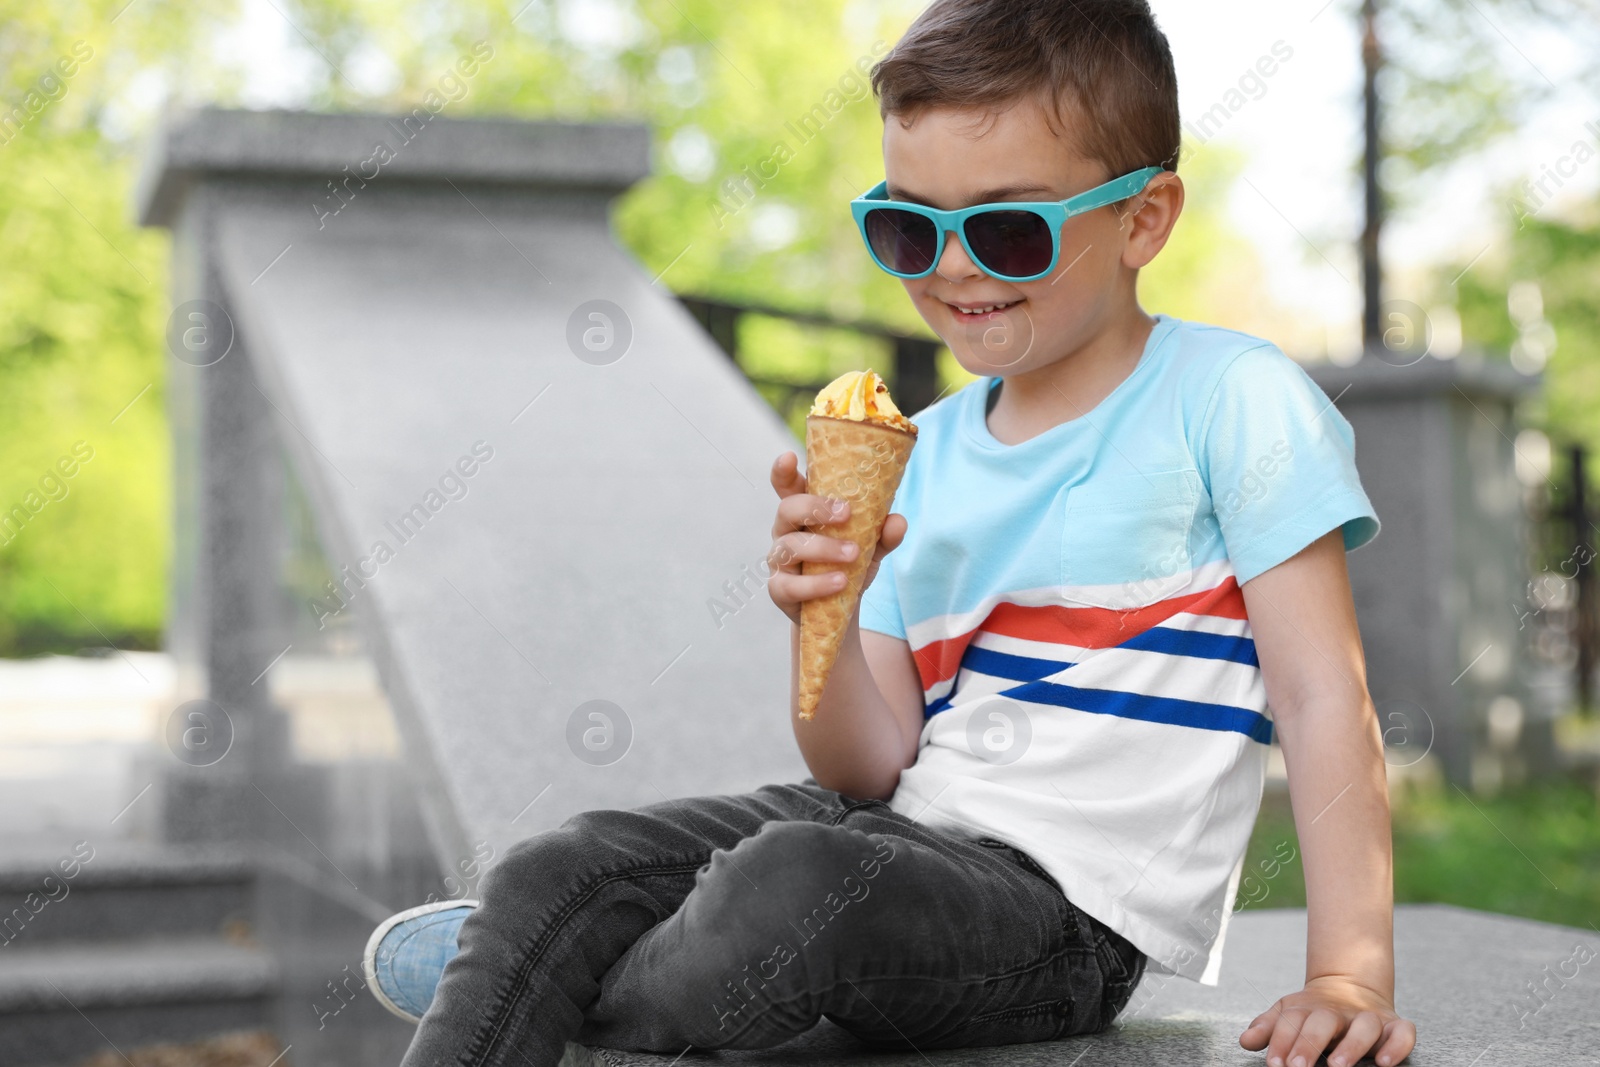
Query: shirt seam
<point x="1203" y="439"/>
<point x="880" y="630"/>
<point x="1332" y="493"/>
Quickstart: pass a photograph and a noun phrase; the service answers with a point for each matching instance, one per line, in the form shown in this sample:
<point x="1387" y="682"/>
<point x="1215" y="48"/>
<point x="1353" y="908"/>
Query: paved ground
<point x="73" y="728"/>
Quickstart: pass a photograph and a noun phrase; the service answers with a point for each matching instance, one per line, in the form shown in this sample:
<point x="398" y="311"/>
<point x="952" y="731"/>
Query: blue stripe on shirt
<point x="1196" y="643"/>
<point x="1170" y="710"/>
<point x="1006" y="665"/>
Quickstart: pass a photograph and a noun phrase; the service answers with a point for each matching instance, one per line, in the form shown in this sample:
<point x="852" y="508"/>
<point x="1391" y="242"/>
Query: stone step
<point x="60" y="1002"/>
<point x="119" y="893"/>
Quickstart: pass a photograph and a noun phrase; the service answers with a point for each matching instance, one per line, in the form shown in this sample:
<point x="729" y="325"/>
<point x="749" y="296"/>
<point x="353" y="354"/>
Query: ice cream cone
<point x="862" y="462"/>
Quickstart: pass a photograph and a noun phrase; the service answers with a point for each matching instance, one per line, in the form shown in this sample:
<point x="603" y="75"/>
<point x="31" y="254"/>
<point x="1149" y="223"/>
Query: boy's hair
<point x="1105" y="60"/>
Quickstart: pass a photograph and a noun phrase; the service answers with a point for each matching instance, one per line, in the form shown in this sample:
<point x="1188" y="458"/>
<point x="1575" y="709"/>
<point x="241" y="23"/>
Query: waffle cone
<point x="861" y="462"/>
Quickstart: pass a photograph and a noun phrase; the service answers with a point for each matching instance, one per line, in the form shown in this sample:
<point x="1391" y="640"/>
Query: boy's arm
<point x="869" y="720"/>
<point x="1304" y="623"/>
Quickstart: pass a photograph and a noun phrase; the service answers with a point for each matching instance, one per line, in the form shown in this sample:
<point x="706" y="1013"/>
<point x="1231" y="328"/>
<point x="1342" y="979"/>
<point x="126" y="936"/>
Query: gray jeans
<point x="739" y="921"/>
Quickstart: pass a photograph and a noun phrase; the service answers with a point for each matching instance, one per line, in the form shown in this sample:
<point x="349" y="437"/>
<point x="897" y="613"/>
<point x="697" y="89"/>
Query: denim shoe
<point x="406" y="954"/>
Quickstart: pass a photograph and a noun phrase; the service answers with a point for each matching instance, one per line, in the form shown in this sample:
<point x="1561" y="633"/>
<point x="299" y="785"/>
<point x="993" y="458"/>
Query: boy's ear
<point x="1148" y="218"/>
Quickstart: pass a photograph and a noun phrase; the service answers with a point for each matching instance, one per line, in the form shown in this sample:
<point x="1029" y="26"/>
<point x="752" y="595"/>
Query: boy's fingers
<point x="793" y="547"/>
<point x="1365" y="1029"/>
<point x="1315" y="1034"/>
<point x="784" y="587"/>
<point x="894" y="532"/>
<point x="1255" y="1035"/>
<point x="1400" y="1040"/>
<point x="786" y="476"/>
<point x="798" y="510"/>
<point x="1259" y="1032"/>
<point x="1284" y="1033"/>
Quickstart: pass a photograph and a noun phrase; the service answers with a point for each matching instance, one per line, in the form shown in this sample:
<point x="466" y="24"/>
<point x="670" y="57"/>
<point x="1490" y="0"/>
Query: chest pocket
<point x="1125" y="539"/>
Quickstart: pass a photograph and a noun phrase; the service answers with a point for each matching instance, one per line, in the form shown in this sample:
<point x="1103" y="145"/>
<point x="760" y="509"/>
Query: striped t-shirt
<point x="1091" y="688"/>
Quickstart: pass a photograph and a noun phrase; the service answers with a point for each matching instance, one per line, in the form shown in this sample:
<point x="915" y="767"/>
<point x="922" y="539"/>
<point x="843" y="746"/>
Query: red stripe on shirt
<point x="939" y="660"/>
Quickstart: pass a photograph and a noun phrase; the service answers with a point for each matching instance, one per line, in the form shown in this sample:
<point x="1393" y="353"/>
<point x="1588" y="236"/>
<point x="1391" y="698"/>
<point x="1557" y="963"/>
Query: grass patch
<point x="1532" y="851"/>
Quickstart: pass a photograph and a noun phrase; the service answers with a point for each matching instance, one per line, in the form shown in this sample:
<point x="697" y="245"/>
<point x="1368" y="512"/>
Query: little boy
<point x="1118" y="568"/>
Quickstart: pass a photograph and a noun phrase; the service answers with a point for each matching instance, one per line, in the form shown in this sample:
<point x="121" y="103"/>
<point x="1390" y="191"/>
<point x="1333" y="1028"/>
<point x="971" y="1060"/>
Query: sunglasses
<point x="1015" y="241"/>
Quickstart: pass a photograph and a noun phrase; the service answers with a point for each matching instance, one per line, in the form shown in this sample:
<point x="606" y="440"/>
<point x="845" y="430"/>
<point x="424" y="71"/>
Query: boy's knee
<point x="581" y="844"/>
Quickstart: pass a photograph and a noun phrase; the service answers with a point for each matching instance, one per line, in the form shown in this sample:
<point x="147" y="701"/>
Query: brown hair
<point x="1105" y="60"/>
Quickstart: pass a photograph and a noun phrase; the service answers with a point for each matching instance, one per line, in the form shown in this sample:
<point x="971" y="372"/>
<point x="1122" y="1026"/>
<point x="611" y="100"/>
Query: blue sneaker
<point x="406" y="954"/>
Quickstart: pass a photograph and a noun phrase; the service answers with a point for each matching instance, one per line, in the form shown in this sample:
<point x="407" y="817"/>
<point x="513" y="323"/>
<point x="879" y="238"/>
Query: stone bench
<point x="1484" y="990"/>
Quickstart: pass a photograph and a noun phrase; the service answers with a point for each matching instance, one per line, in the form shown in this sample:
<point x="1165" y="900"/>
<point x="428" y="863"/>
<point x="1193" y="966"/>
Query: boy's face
<point x="955" y="157"/>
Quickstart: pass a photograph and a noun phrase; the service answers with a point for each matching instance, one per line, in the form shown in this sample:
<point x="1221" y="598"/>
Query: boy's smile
<point x="1085" y="313"/>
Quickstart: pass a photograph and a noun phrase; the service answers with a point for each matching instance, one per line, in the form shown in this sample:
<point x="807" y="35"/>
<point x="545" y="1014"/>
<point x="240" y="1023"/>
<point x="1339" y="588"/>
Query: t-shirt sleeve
<point x="1278" y="459"/>
<point x="880" y="604"/>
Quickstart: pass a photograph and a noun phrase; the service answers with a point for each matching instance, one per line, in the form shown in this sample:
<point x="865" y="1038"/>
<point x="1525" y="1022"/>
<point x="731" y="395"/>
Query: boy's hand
<point x="791" y="543"/>
<point x="1302" y="1024"/>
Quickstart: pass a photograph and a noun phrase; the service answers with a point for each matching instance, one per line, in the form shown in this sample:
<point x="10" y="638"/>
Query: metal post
<point x="1371" y="266"/>
<point x="916" y="373"/>
<point x="724" y="326"/>
<point x="721" y="321"/>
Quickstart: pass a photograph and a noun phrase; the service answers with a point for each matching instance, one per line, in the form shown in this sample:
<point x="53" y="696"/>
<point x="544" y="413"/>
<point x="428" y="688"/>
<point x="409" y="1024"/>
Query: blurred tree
<point x="1444" y="80"/>
<point x="1447" y="105"/>
<point x="82" y="303"/>
<point x="81" y="556"/>
<point x="1540" y="302"/>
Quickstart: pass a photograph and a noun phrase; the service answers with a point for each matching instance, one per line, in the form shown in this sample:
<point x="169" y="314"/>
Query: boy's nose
<point x="954" y="264"/>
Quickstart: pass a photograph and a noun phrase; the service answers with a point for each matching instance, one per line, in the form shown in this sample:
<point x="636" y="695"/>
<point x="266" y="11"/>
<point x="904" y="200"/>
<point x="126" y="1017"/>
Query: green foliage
<point x="82" y="307"/>
<point x="81" y="313"/>
<point x="1563" y="259"/>
<point x="1533" y="852"/>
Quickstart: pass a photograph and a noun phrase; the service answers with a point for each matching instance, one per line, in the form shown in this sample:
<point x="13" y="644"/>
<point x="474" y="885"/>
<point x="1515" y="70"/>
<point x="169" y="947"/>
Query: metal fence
<point x="911" y="373"/>
<point x="1558" y="615"/>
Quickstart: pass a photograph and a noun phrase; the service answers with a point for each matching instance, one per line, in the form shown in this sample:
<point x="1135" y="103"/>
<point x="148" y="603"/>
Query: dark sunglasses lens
<point x="903" y="241"/>
<point x="1014" y="243"/>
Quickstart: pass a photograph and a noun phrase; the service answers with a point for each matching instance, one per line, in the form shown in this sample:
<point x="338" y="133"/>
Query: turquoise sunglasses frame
<point x="1054" y="212"/>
